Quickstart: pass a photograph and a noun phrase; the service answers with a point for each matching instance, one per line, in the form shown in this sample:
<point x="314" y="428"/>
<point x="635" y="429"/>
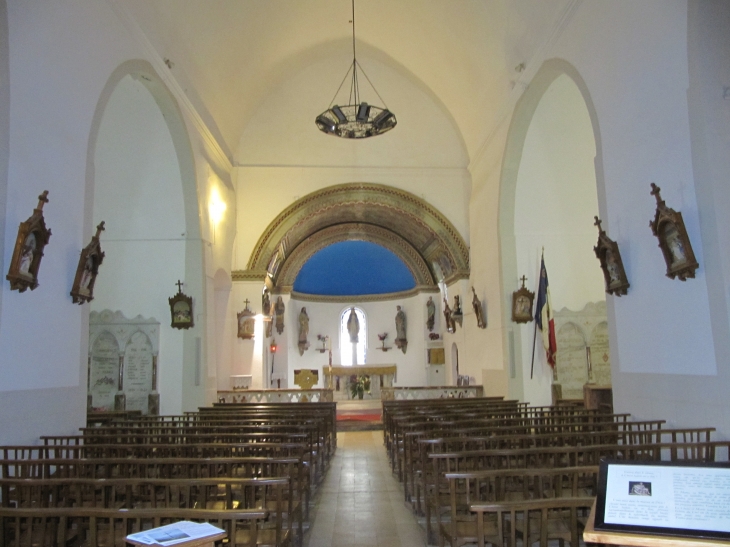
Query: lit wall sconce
<point x="216" y="206"/>
<point x="272" y="350"/>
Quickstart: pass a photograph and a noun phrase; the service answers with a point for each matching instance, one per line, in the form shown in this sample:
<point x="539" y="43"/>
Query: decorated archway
<point x="410" y="227"/>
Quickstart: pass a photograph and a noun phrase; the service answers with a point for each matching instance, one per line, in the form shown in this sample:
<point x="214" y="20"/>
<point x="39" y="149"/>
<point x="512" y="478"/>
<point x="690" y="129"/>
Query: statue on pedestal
<point x="431" y="314"/>
<point x="401" y="341"/>
<point x="303" y="331"/>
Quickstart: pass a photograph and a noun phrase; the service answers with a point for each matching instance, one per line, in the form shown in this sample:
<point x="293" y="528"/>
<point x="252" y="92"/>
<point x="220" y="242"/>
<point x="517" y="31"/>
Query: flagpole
<point x="534" y="336"/>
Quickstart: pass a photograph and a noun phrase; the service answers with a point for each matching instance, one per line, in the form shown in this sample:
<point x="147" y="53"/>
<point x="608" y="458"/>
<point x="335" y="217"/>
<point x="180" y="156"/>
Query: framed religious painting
<point x="246" y="322"/>
<point x="522" y="300"/>
<point x="87" y="269"/>
<point x="668" y="227"/>
<point x="32" y="238"/>
<point x="612" y="266"/>
<point x="181" y="309"/>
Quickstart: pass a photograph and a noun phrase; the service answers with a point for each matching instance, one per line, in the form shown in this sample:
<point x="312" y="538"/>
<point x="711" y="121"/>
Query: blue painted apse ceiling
<point x="351" y="268"/>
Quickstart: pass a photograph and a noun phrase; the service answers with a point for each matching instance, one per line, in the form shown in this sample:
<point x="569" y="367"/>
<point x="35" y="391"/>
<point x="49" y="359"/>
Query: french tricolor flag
<point x="544" y="317"/>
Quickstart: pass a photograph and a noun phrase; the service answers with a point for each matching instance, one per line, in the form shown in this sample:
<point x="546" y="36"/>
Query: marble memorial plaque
<point x="138" y="371"/>
<point x="104" y="371"/>
<point x="600" y="355"/>
<point x="571" y="361"/>
<point x="576" y="363"/>
<point x="138" y="341"/>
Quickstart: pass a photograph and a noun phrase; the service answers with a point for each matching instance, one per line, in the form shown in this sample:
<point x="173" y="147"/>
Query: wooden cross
<point x="247" y="302"/>
<point x="598" y="223"/>
<point x="523" y="279"/>
<point x="99" y="229"/>
<point x="655" y="192"/>
<point x="43" y="198"/>
<point x="179" y="286"/>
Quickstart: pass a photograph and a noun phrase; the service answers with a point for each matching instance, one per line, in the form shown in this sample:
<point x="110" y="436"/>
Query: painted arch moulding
<point x="420" y="226"/>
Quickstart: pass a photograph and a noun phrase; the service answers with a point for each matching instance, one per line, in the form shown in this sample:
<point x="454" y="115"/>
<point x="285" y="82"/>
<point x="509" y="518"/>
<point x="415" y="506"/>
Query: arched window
<point x="353" y="353"/>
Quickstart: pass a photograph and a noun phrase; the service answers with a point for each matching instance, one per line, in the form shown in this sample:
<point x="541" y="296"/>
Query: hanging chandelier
<point x="355" y="120"/>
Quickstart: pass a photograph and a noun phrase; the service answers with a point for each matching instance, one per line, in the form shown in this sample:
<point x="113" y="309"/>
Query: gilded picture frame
<point x="30" y="242"/>
<point x="181" y="309"/>
<point x="668" y="227"/>
<point x="609" y="256"/>
<point x="91" y="258"/>
<point x="246" y="320"/>
<point x="522" y="300"/>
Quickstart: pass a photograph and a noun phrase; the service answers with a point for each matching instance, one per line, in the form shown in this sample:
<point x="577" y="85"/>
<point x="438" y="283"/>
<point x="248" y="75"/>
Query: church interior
<point x="525" y="130"/>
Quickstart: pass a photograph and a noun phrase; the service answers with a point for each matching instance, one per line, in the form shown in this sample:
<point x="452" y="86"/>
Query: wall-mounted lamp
<point x="216" y="206"/>
<point x="272" y="350"/>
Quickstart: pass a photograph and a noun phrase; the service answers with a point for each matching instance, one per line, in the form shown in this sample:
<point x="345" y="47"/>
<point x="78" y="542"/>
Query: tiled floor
<point x="360" y="503"/>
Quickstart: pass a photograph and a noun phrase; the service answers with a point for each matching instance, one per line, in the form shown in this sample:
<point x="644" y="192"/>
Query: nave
<point x="360" y="503"/>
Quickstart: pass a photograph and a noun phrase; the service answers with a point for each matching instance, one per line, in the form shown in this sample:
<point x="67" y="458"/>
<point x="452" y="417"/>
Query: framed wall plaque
<point x="609" y="256"/>
<point x="87" y="269"/>
<point x="522" y="300"/>
<point x="181" y="309"/>
<point x="668" y="227"/>
<point x="32" y="238"/>
<point x="246" y="322"/>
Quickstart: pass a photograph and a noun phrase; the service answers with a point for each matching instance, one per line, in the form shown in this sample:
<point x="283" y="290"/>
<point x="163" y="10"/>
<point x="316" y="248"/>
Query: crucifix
<point x="43" y="198"/>
<point x="246" y="303"/>
<point x="179" y="286"/>
<point x="655" y="192"/>
<point x="523" y="279"/>
<point x="598" y="223"/>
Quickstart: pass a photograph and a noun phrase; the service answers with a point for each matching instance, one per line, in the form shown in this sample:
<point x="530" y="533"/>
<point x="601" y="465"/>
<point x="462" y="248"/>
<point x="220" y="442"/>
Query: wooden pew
<point x="94" y="527"/>
<point x="434" y="484"/>
<point x="458" y="525"/>
<point x="267" y="493"/>
<point x="532" y="521"/>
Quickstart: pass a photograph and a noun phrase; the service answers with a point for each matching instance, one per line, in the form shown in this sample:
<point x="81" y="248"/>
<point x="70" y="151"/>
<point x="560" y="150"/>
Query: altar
<point x="337" y="378"/>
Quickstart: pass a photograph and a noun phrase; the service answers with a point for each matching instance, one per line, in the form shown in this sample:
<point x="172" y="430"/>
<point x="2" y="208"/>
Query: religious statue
<point x="431" y="313"/>
<point x="450" y="323"/>
<point x="26" y="259"/>
<point x="478" y="310"/>
<point x="279" y="310"/>
<point x="266" y="312"/>
<point x="303" y="331"/>
<point x="353" y="326"/>
<point x="457" y="315"/>
<point x="401" y="341"/>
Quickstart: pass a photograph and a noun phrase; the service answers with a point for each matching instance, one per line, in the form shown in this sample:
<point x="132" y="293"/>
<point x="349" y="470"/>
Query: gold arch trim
<point x="423" y="231"/>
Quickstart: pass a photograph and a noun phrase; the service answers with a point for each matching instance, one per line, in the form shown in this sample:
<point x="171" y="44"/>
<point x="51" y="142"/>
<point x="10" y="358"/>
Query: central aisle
<point x="360" y="503"/>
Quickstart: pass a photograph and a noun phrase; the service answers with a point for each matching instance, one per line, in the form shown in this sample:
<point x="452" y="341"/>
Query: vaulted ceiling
<point x="231" y="56"/>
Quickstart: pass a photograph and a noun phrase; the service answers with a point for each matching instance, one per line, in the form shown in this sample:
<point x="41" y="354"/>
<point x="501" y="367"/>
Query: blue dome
<point x="353" y="268"/>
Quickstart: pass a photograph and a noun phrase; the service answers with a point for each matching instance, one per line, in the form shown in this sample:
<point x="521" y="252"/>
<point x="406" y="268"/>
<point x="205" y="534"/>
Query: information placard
<point x="668" y="498"/>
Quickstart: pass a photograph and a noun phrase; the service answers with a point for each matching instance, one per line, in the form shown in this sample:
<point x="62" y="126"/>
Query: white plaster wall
<point x="61" y="57"/>
<point x="4" y="128"/>
<point x="661" y="334"/>
<point x="633" y="60"/>
<point x="644" y="124"/>
<point x="282" y="131"/>
<point x="138" y="193"/>
<point x="42" y="335"/>
<point x="555" y="202"/>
